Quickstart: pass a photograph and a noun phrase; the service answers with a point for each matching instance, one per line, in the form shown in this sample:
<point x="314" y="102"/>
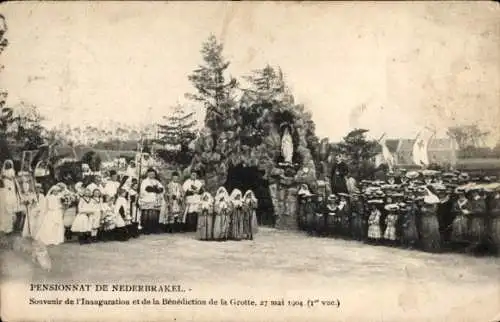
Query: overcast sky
<point x="412" y="64"/>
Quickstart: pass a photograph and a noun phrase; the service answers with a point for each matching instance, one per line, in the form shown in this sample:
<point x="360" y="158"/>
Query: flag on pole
<point x="386" y="155"/>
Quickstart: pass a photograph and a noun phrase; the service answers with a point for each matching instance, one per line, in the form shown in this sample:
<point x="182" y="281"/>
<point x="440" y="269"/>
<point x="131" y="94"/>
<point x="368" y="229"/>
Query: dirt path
<point x="371" y="283"/>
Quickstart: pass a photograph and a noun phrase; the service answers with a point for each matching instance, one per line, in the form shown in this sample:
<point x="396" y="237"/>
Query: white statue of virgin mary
<point x="287" y="145"/>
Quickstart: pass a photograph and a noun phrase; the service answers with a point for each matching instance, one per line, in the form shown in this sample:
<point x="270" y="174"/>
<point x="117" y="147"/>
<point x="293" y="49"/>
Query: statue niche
<point x="289" y="142"/>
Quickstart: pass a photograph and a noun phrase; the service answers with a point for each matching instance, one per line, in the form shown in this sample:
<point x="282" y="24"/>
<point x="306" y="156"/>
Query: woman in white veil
<point x="204" y="230"/>
<point x="237" y="214"/>
<point x="51" y="231"/>
<point x="9" y="198"/>
<point x="250" y="225"/>
<point x="222" y="214"/>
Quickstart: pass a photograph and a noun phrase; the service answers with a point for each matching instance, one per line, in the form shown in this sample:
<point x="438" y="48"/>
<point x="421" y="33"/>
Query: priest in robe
<point x="338" y="180"/>
<point x="150" y="202"/>
<point x="192" y="191"/>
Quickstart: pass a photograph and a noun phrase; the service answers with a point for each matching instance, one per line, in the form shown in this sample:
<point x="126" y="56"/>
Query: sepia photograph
<point x="250" y="161"/>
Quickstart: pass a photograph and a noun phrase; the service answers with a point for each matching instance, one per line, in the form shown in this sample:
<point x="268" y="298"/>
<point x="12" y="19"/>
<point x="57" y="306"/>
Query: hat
<point x="38" y="185"/>
<point x="449" y="175"/>
<point x="412" y="175"/>
<point x="439" y="187"/>
<point x="332" y="197"/>
<point x="429" y="173"/>
<point x="463" y="175"/>
<point x="342" y="194"/>
<point x="391" y="207"/>
<point x="431" y="199"/>
<point x="375" y="201"/>
<point x="112" y="172"/>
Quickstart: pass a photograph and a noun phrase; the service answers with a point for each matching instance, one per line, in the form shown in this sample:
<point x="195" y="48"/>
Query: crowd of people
<point x="427" y="209"/>
<point x="119" y="205"/>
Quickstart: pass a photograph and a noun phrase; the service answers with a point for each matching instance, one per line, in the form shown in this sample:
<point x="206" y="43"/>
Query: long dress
<point x="222" y="215"/>
<point x="236" y="230"/>
<point x="250" y="225"/>
<point x="82" y="223"/>
<point x="287" y="146"/>
<point x="328" y="219"/>
<point x="431" y="237"/>
<point x="477" y="224"/>
<point x="374" y="232"/>
<point x="96" y="216"/>
<point x="51" y="230"/>
<point x="345" y="214"/>
<point x="174" y="204"/>
<point x="310" y="214"/>
<point x="123" y="221"/>
<point x="35" y="210"/>
<point x="191" y="189"/>
<point x="409" y="235"/>
<point x="6" y="218"/>
<point x="357" y="222"/>
<point x="460" y="225"/>
<point x="204" y="230"/>
<point x="69" y="215"/>
<point x="133" y="228"/>
<point x="150" y="202"/>
<point x="390" y="229"/>
<point x="10" y="204"/>
<point x="494" y="212"/>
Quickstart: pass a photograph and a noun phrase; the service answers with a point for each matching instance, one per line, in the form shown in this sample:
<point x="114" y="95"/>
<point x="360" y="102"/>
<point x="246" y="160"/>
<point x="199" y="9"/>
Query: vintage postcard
<point x="250" y="161"/>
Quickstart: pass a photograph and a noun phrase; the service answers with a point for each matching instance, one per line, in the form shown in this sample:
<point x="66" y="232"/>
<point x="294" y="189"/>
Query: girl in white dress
<point x="374" y="231"/>
<point x="51" y="230"/>
<point x="96" y="215"/>
<point x="81" y="224"/>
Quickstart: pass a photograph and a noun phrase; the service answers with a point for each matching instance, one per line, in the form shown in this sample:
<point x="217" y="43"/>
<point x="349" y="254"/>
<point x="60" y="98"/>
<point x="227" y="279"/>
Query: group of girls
<point x="227" y="217"/>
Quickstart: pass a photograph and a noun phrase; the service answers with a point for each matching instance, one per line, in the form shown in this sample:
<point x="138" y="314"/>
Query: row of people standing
<point x="227" y="217"/>
<point x="409" y="214"/>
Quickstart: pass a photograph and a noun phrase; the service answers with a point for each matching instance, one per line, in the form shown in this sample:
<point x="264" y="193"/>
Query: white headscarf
<point x="249" y="199"/>
<point x="207" y="202"/>
<point x="221" y="199"/>
<point x="54" y="188"/>
<point x="8" y="173"/>
<point x="236" y="198"/>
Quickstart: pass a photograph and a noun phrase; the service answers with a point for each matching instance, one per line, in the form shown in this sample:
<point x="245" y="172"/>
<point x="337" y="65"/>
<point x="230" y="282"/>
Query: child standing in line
<point x="374" y="232"/>
<point x="391" y="220"/>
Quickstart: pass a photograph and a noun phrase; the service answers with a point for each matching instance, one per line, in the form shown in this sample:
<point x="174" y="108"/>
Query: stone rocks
<point x="287" y="210"/>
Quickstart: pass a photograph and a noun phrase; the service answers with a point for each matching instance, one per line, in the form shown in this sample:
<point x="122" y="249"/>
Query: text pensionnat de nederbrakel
<point x="166" y="288"/>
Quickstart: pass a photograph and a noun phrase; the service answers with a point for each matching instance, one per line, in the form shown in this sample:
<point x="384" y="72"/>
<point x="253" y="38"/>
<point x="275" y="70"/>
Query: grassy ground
<point x="372" y="283"/>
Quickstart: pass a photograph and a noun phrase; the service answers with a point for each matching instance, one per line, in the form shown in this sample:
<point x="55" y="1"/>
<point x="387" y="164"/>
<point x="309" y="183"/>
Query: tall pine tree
<point x="178" y="129"/>
<point x="359" y="151"/>
<point x="213" y="89"/>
